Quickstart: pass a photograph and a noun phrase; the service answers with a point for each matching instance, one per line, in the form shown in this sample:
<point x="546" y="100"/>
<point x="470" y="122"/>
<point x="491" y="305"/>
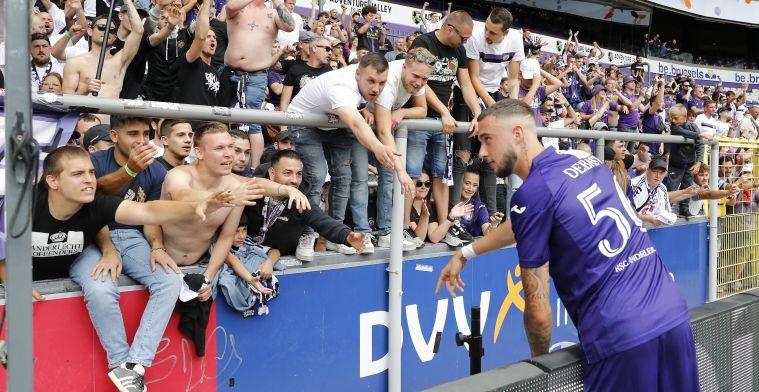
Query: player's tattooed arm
<point x="537" y="308"/>
<point x="285" y="15"/>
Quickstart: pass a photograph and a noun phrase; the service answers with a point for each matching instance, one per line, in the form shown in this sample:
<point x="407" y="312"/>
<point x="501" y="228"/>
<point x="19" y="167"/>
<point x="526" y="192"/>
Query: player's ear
<point x="52" y="181"/>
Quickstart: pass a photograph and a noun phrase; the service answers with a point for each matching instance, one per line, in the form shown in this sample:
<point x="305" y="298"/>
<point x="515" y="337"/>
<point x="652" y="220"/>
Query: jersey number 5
<point x="604" y="246"/>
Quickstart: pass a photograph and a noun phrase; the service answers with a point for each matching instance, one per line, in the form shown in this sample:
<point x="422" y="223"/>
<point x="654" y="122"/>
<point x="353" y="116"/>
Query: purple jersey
<point x="570" y="211"/>
<point x="572" y="93"/>
<point x="652" y="123"/>
<point x="474" y="221"/>
<point x="540" y="96"/>
<point x="695" y="103"/>
<point x="587" y="108"/>
<point x="629" y="120"/>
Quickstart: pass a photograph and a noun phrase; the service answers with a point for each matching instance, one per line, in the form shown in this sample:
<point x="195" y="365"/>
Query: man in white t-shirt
<point x="340" y="92"/>
<point x="406" y="80"/>
<point x="42" y="62"/>
<point x="708" y="122"/>
<point x="650" y="195"/>
<point x="749" y="125"/>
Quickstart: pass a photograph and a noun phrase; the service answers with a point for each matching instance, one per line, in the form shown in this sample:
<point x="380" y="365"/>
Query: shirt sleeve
<point x="532" y="215"/>
<point x="157" y="174"/>
<point x="341" y="95"/>
<point x="482" y="215"/>
<point x="104" y="208"/>
<point x="288" y="80"/>
<point x="463" y="61"/>
<point x="472" y="52"/>
<point x="518" y="47"/>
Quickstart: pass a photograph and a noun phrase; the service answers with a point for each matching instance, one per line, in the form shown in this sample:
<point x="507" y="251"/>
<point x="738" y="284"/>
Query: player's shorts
<point x="665" y="363"/>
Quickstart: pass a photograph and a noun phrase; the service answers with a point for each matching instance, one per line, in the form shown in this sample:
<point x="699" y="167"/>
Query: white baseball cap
<point x="529" y="67"/>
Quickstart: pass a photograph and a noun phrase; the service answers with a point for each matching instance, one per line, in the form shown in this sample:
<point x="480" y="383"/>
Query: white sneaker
<point x="340" y="248"/>
<point x="305" y="249"/>
<point x="368" y="244"/>
<point x="383" y="241"/>
<point x="452" y="240"/>
<point x="410" y="236"/>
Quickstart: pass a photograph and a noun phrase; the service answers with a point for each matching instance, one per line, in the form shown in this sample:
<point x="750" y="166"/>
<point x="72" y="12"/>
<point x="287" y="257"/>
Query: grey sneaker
<point x="368" y="244"/>
<point x="384" y="242"/>
<point x="305" y="249"/>
<point x="410" y="236"/>
<point x="128" y="380"/>
<point x="452" y="240"/>
<point x="340" y="248"/>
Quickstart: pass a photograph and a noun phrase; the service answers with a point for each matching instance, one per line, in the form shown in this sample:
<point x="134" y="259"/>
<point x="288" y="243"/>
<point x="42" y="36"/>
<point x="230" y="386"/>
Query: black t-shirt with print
<point x="198" y="83"/>
<point x="163" y="63"/>
<point x="370" y="39"/>
<point x="444" y="74"/>
<point x="299" y="74"/>
<point x="56" y="244"/>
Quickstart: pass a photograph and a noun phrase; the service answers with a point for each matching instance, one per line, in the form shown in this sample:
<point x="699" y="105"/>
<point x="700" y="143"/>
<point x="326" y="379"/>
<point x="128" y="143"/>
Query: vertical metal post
<point x="395" y="274"/>
<point x="18" y="114"/>
<point x="713" y="222"/>
<point x="600" y="148"/>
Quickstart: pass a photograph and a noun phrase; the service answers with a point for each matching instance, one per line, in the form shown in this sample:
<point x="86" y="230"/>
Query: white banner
<point x="588" y="9"/>
<point x="731" y="11"/>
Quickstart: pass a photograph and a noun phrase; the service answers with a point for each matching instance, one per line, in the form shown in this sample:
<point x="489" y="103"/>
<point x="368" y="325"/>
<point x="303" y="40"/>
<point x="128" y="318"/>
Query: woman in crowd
<point x="52" y="83"/>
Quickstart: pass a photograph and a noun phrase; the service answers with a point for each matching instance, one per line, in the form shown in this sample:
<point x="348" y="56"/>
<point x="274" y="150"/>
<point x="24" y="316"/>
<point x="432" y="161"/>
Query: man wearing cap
<point x="531" y="88"/>
<point x="299" y="74"/>
<point x="79" y="72"/>
<point x="252" y="29"/>
<point x="97" y="138"/>
<point x="42" y="62"/>
<point x="83" y="124"/>
<point x="629" y="111"/>
<point x="652" y="201"/>
<point x="283" y="142"/>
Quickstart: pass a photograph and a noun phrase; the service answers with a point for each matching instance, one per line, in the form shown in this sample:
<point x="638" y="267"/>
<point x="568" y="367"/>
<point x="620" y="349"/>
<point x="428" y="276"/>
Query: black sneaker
<point x="685" y="214"/>
<point x="128" y="380"/>
<point x="461" y="232"/>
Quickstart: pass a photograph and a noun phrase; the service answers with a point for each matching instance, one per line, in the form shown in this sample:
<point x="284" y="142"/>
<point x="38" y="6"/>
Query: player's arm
<point x="158" y="211"/>
<point x="132" y="42"/>
<point x="202" y="26"/>
<point x="479" y="88"/>
<point x="234" y="7"/>
<point x="285" y="21"/>
<point x="537" y="308"/>
<point x="285" y="97"/>
<point x="365" y="135"/>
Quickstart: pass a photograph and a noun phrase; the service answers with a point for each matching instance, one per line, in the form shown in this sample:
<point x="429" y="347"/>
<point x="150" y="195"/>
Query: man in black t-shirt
<point x="300" y="73"/>
<point x="165" y="47"/>
<point x="446" y="44"/>
<point x="368" y="34"/>
<point x="68" y="216"/>
<point x="199" y="82"/>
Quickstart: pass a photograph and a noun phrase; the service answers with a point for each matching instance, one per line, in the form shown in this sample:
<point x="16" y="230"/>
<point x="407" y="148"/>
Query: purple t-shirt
<point x="587" y="108"/>
<point x="570" y="211"/>
<point x="573" y="92"/>
<point x="629" y="120"/>
<point x="540" y="96"/>
<point x="274" y="77"/>
<point x="650" y="124"/>
<point x="695" y="103"/>
<point x="479" y="216"/>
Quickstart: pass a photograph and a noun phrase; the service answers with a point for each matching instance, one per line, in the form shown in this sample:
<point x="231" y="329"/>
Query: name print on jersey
<point x="57" y="244"/>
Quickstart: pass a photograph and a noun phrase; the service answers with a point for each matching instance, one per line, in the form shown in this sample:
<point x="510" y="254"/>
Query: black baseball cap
<point x="96" y="134"/>
<point x="658" y="163"/>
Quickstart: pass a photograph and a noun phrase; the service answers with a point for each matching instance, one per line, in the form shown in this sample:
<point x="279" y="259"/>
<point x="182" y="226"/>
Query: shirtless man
<point x="188" y="244"/>
<point x="79" y="71"/>
<point x="252" y="29"/>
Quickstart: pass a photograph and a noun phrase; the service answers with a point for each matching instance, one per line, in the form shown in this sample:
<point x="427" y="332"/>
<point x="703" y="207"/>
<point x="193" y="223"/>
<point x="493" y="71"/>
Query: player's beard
<point x="506" y="167"/>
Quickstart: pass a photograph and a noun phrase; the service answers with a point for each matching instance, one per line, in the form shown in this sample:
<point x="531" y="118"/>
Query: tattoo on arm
<point x="537" y="312"/>
<point x="285" y="15"/>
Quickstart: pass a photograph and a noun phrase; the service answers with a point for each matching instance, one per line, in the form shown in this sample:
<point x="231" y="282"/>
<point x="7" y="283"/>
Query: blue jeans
<point x="255" y="90"/>
<point x="322" y="151"/>
<point x="426" y="147"/>
<point x="360" y="156"/>
<point x="102" y="299"/>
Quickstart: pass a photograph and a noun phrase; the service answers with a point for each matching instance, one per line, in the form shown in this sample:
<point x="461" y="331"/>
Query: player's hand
<point x="37" y="296"/>
<point x="109" y="264"/>
<point x="408" y="186"/>
<point x="356" y="240"/>
<point x="298" y="199"/>
<point x="218" y="200"/>
<point x="386" y="155"/>
<point x="162" y="258"/>
<point x="247" y="193"/>
<point x="255" y="282"/>
<point x="141" y="157"/>
<point x="344" y="7"/>
<point x="624" y="109"/>
<point x="451" y="275"/>
<point x="449" y="124"/>
<point x="426" y="4"/>
<point x="174" y="16"/>
<point x="472" y="128"/>
<point x="94" y="85"/>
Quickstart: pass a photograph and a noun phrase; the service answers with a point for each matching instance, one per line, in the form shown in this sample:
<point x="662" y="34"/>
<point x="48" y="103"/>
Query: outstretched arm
<point x="132" y="43"/>
<point x="537" y="308"/>
<point x="285" y="21"/>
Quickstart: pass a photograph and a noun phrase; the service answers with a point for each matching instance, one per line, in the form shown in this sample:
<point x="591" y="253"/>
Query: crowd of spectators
<point x="311" y="186"/>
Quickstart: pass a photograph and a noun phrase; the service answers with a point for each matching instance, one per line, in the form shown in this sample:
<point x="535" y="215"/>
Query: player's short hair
<point x="282" y="154"/>
<point x="208" y="128"/>
<point x="374" y="60"/>
<point x="678" y="111"/>
<point x="52" y="166"/>
<point x="119" y="121"/>
<point x="429" y="59"/>
<point x="369" y="9"/>
<point x="459" y="18"/>
<point x="507" y="108"/>
<point x="501" y="16"/>
<point x="167" y="126"/>
<point x="238" y="134"/>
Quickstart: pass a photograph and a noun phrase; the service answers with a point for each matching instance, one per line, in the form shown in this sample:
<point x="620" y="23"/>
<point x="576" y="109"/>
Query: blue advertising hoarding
<point x="327" y="330"/>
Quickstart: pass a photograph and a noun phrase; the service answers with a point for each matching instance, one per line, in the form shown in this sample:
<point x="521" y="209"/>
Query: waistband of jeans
<point x="240" y="72"/>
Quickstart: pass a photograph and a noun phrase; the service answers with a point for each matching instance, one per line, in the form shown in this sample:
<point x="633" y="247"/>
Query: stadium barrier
<point x="395" y="268"/>
<point x="727" y="347"/>
<point x="738" y="222"/>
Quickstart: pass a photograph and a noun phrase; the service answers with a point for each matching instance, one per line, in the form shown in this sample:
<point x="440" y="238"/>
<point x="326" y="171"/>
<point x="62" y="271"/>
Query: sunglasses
<point x="101" y="27"/>
<point x="420" y="58"/>
<point x="426" y="184"/>
<point x="456" y="30"/>
<point x="325" y="47"/>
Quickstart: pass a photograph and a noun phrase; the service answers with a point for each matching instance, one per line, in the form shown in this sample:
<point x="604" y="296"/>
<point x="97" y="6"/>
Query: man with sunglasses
<point x="447" y="45"/>
<point x="405" y="80"/>
<point x="79" y="72"/>
<point x="300" y="72"/>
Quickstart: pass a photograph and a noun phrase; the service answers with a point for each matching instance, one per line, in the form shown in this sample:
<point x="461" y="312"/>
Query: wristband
<point x="130" y="171"/>
<point x="448" y="217"/>
<point x="69" y="35"/>
<point x="468" y="252"/>
<point x="155" y="249"/>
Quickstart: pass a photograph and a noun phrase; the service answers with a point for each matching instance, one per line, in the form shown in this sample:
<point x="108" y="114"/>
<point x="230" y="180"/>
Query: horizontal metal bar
<point x="82" y="103"/>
